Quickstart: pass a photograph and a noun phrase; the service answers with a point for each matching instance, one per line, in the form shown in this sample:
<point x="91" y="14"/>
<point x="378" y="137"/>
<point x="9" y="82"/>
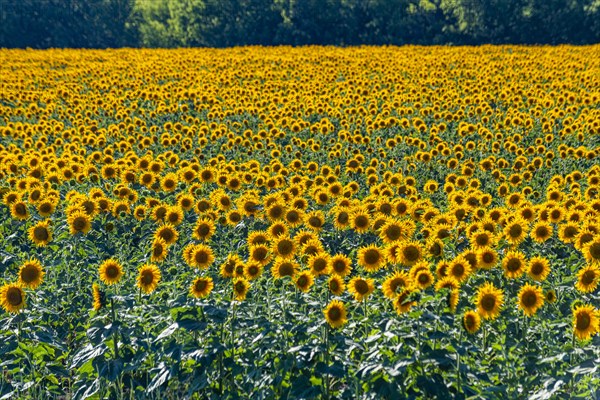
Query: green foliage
<point x="222" y="23"/>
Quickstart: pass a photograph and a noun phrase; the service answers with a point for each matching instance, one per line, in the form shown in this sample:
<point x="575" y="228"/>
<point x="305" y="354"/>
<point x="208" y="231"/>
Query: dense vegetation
<point x="218" y="23"/>
<point x="368" y="222"/>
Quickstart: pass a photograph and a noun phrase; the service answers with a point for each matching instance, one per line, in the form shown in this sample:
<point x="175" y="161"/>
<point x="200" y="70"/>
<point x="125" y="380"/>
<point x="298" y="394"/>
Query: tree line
<point x="222" y="23"/>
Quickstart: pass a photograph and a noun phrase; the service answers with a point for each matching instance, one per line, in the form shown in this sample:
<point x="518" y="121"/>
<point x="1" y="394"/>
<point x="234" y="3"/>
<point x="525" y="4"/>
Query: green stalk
<point x="115" y="333"/>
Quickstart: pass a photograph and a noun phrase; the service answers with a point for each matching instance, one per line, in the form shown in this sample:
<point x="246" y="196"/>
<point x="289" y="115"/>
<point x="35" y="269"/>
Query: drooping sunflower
<point x="541" y="231"/>
<point x="110" y="271"/>
<point x="538" y="268"/>
<point x="471" y="321"/>
<point x="585" y="321"/>
<point x="371" y="258"/>
<point x="240" y="288"/>
<point x="531" y="298"/>
<point x="360" y="287"/>
<point x="340" y="265"/>
<point x="201" y="256"/>
<point x="489" y="301"/>
<point x="403" y="302"/>
<point x="168" y="233"/>
<point x="31" y="274"/>
<point x="201" y="287"/>
<point x="409" y="252"/>
<point x="319" y="264"/>
<point x="283" y="267"/>
<point x="487" y="258"/>
<point x="159" y="250"/>
<point x="587" y="278"/>
<point x="335" y="314"/>
<point x="98" y="296"/>
<point x="40" y="233"/>
<point x="336" y="285"/>
<point x="79" y="222"/>
<point x="148" y="278"/>
<point x="514" y="264"/>
<point x="395" y="283"/>
<point x="304" y="281"/>
<point x="12" y="297"/>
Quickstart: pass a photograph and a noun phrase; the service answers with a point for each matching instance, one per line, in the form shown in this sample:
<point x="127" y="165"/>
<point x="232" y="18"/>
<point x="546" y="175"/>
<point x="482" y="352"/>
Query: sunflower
<point x="40" y="233"/>
<point x="591" y="250"/>
<point x="275" y="212"/>
<point x="31" y="274"/>
<point x="284" y="247"/>
<point x="403" y="302"/>
<point x="46" y="207"/>
<point x="335" y="314"/>
<point x="257" y="237"/>
<point x="201" y="256"/>
<point x="319" y="264"/>
<point x="168" y="233"/>
<point x="460" y="269"/>
<point x="174" y="215"/>
<point x="315" y="220"/>
<point x="12" y="297"/>
<point x="361" y="288"/>
<point x="568" y="232"/>
<point x="531" y="298"/>
<point x="423" y="279"/>
<point x="169" y="182"/>
<point x="409" y="252"/>
<point x="486" y="258"/>
<point x="538" y="268"/>
<point x="514" y="264"/>
<point x="481" y="239"/>
<point x="395" y="283"/>
<point x="79" y="222"/>
<point x="341" y="218"/>
<point x="371" y="258"/>
<point x="148" y="278"/>
<point x="240" y="288"/>
<point x="585" y="321"/>
<point x="489" y="301"/>
<point x="515" y="231"/>
<point x="293" y="217"/>
<point x="551" y="296"/>
<point x="587" y="278"/>
<point x="541" y="231"/>
<point x="340" y="265"/>
<point x="99" y="297"/>
<point x="19" y="210"/>
<point x="110" y="271"/>
<point x="260" y="254"/>
<point x="304" y="281"/>
<point x="252" y="271"/>
<point x="359" y="220"/>
<point x="159" y="250"/>
<point x="228" y="267"/>
<point x="282" y="267"/>
<point x="201" y="287"/>
<point x="203" y="229"/>
<point x="392" y="231"/>
<point x="336" y="285"/>
<point x="471" y="321"/>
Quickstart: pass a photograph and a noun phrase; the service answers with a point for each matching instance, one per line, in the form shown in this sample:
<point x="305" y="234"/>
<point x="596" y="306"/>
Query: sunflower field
<point x="313" y="222"/>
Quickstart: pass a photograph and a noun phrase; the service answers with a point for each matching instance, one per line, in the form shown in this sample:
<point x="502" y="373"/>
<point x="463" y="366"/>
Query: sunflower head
<point x="489" y="301"/>
<point x="340" y="265"/>
<point x="585" y="321"/>
<point x="12" y="297"/>
<point x="531" y="298"/>
<point x="471" y="321"/>
<point x="110" y="271"/>
<point x="336" y="285"/>
<point x="40" y="233"/>
<point x="304" y="281"/>
<point x="335" y="314"/>
<point x="99" y="297"/>
<point x="361" y="288"/>
<point x="31" y="274"/>
<point x="371" y="258"/>
<point x="201" y="287"/>
<point x="148" y="278"/>
<point x="240" y="289"/>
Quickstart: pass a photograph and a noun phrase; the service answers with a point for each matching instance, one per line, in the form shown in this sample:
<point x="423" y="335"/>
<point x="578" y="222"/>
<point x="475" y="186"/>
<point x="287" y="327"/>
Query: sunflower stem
<point x="326" y="377"/>
<point x="115" y="332"/>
